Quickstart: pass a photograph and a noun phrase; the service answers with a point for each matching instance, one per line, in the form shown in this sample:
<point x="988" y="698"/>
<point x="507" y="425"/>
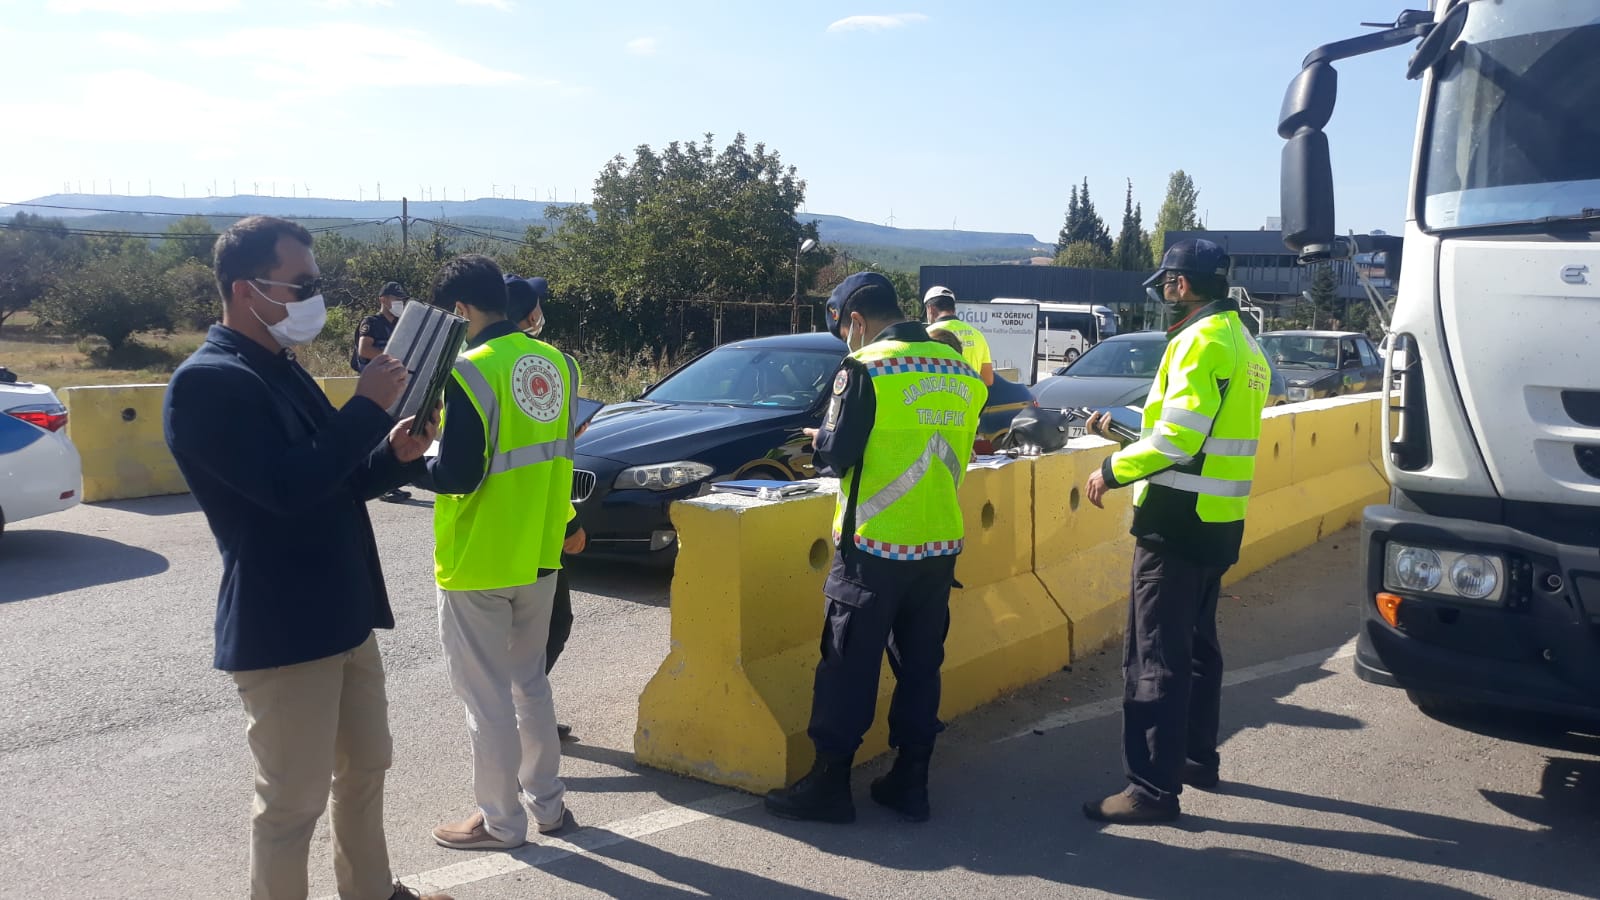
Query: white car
<point x="40" y="472"/>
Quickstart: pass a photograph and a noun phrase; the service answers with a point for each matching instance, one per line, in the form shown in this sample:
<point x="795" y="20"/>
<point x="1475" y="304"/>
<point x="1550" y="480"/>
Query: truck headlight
<point x="1450" y="574"/>
<point x="1474" y="576"/>
<point x="1299" y="393"/>
<point x="1416" y="568"/>
<point x="661" y="476"/>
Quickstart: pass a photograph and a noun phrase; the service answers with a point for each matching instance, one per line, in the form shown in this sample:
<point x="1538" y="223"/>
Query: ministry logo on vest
<point x="537" y="387"/>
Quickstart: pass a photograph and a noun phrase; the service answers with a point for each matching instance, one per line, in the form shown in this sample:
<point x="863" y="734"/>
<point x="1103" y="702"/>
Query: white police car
<point x="40" y="471"/>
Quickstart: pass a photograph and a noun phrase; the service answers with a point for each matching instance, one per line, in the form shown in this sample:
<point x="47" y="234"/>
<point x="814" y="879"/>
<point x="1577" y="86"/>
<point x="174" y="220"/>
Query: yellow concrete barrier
<point x="1045" y="579"/>
<point x="119" y="436"/>
<point x="732" y="700"/>
<point x="118" y="433"/>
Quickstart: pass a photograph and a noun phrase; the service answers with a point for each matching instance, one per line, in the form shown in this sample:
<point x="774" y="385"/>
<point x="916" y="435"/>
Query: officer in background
<point x="939" y="303"/>
<point x="525" y="311"/>
<point x="1192" y="472"/>
<point x="898" y="433"/>
<point x="372" y="336"/>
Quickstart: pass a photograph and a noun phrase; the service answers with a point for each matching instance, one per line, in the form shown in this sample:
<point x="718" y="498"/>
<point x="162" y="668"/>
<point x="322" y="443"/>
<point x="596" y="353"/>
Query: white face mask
<point x="850" y="338"/>
<point x="303" y="323"/>
<point x="536" y="330"/>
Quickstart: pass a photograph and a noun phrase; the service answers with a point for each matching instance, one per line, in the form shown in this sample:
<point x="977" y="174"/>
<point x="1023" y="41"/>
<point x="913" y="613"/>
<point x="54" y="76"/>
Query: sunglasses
<point x="302" y="290"/>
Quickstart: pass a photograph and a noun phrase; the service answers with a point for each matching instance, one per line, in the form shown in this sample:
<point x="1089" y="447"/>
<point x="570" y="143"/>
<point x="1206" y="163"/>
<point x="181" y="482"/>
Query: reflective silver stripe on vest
<point x="488" y="403"/>
<point x="1200" y="484"/>
<point x="1164" y="446"/>
<point x="572" y="393"/>
<point x="937" y="447"/>
<point x="1225" y="447"/>
<point x="531" y="455"/>
<point x="1188" y="419"/>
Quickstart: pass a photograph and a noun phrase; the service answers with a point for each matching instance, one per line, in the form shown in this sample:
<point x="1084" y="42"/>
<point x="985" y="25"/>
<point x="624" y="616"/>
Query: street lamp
<point x="801" y="247"/>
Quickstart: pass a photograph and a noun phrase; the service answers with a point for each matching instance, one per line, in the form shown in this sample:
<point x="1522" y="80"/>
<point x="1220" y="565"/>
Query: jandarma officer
<point x="1191" y="471"/>
<point x="898" y="432"/>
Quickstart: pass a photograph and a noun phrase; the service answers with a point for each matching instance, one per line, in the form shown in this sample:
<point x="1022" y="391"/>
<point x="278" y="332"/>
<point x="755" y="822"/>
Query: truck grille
<point x="582" y="485"/>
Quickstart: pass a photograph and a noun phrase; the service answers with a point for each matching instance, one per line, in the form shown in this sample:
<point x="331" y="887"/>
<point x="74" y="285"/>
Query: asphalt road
<point x="125" y="772"/>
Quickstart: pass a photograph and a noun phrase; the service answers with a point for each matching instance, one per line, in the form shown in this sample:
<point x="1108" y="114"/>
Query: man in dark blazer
<point x="283" y="478"/>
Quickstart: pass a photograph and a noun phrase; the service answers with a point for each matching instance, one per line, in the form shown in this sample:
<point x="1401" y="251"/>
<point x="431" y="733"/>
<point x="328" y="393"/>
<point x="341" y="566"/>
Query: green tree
<point x="1178" y="212"/>
<point x="34" y="252"/>
<point x="1084" y="226"/>
<point x="1325" y="293"/>
<point x="1084" y="255"/>
<point x="191" y="287"/>
<point x="1132" y="251"/>
<point x="113" y="296"/>
<point x="190" y="239"/>
<point x="687" y="223"/>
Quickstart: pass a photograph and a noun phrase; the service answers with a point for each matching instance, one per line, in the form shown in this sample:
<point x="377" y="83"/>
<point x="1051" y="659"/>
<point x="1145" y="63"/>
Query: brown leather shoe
<point x="1128" y="808"/>
<point x="401" y="892"/>
<point x="469" y="834"/>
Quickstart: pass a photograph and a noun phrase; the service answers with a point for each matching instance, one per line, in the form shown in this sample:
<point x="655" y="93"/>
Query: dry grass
<point x="62" y="361"/>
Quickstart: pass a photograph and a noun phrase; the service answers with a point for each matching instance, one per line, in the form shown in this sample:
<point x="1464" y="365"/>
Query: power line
<point x="136" y="212"/>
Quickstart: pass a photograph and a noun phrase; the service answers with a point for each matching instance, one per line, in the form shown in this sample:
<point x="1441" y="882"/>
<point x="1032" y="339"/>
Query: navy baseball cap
<point x="524" y="295"/>
<point x="1195" y="256"/>
<point x="393" y="289"/>
<point x="849" y="288"/>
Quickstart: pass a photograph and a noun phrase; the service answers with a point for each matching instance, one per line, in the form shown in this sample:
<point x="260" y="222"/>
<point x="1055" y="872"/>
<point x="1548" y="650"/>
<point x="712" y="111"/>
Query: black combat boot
<point x="822" y="795"/>
<point x="905" y="788"/>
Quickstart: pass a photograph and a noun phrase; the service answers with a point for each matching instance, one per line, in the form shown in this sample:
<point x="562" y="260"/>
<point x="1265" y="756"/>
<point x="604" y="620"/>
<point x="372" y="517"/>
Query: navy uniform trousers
<point x="1171" y="670"/>
<point x="875" y="604"/>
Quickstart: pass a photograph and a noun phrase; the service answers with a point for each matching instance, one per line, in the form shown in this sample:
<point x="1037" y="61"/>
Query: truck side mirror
<point x="1306" y="195"/>
<point x="1306" y="187"/>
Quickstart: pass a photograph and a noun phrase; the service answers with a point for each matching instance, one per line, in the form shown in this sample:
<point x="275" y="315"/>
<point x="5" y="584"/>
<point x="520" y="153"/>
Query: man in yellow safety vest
<point x="898" y="432"/>
<point x="1192" y="468"/>
<point x="504" y="482"/>
<point x="940" y="305"/>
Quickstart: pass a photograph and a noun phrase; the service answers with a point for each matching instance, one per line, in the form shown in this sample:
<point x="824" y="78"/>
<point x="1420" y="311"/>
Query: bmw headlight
<point x="1449" y="574"/>
<point x="661" y="476"/>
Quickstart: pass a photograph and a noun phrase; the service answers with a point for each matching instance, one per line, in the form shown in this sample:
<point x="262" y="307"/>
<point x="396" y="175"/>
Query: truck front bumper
<point x="1538" y="650"/>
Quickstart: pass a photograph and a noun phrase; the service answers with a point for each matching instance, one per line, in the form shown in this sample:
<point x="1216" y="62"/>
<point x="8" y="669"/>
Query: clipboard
<point x="426" y="340"/>
<point x="1127" y="422"/>
<point x="586" y="411"/>
<point x="756" y="487"/>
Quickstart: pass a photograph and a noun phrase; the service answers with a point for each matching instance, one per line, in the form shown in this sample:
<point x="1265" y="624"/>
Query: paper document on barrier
<point x="426" y="340"/>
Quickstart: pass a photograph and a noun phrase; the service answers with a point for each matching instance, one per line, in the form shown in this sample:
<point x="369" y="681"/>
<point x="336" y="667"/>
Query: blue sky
<point x="981" y="115"/>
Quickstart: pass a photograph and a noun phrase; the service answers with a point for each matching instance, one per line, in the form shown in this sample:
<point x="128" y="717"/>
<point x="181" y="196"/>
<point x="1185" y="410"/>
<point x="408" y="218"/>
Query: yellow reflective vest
<point x="1202" y="422"/>
<point x="974" y="346"/>
<point x="902" y="495"/>
<point x="500" y="535"/>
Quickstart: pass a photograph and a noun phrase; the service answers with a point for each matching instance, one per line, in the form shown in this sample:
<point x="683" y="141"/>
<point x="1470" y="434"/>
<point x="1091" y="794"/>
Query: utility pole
<point x="405" y="223"/>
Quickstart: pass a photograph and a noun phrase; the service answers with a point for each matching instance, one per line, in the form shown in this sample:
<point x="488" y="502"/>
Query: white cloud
<point x="141" y="7"/>
<point x="125" y="42"/>
<point x="644" y="46"/>
<point x="128" y="106"/>
<point x="502" y="5"/>
<point x="877" y="23"/>
<point x="331" y="56"/>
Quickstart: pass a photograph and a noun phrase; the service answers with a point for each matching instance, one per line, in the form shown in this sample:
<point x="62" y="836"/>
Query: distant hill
<point x="511" y="216"/>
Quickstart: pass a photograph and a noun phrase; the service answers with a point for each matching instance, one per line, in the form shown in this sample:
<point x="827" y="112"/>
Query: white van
<point x="1067" y="330"/>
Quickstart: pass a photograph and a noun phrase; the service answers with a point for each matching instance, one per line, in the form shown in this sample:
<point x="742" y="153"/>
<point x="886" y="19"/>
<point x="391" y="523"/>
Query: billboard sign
<point x="1012" y="330"/>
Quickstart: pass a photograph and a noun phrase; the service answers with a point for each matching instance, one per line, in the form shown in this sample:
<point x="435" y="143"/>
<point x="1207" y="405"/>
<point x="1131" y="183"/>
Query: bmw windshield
<point x="1514" y="132"/>
<point x="751" y="376"/>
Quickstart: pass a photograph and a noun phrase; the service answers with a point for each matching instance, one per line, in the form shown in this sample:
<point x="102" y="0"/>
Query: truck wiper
<point x="1589" y="215"/>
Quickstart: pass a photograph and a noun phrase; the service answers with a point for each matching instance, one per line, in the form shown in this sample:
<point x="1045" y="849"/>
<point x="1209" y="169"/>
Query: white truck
<point x="1482" y="573"/>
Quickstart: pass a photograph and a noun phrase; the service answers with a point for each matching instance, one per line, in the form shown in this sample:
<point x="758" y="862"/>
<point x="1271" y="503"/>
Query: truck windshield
<point x="1516" y="117"/>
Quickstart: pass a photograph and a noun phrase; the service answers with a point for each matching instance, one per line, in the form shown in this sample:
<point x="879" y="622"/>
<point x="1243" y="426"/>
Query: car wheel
<point x="1071" y="356"/>
<point x="763" y="471"/>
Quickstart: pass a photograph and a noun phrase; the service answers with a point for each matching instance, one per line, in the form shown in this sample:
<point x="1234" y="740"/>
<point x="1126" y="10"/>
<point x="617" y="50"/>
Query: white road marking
<point x="588" y="840"/>
<point x="1113" y="705"/>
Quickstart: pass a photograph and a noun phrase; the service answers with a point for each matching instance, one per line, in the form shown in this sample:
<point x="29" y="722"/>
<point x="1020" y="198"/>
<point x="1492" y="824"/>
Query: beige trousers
<point x="311" y="724"/>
